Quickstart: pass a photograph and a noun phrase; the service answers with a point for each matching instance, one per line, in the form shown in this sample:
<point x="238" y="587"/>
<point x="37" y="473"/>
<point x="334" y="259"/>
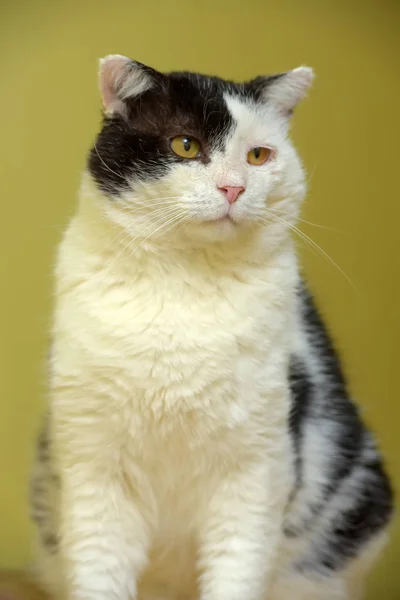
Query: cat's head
<point x="197" y="157"/>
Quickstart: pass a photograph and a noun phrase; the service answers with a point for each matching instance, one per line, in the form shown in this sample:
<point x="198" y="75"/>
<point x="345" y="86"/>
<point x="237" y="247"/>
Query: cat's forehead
<point x="204" y="100"/>
<point x="208" y="107"/>
<point x="207" y="87"/>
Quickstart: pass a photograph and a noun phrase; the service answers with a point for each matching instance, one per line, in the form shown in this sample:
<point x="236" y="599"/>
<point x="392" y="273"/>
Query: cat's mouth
<point x="226" y="217"/>
<point x="223" y="219"/>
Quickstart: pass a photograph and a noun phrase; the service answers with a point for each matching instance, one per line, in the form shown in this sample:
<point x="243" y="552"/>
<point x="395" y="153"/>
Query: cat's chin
<point x="226" y="219"/>
<point x="213" y="230"/>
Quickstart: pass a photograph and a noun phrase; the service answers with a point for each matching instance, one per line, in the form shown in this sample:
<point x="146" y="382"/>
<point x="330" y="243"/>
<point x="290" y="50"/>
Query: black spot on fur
<point x="50" y="542"/>
<point x="301" y="389"/>
<point x="43" y="441"/>
<point x="43" y="446"/>
<point x="137" y="146"/>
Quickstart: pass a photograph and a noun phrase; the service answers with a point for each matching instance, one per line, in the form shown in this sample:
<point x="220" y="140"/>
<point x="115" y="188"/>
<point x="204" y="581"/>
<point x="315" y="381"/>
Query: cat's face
<point x="194" y="156"/>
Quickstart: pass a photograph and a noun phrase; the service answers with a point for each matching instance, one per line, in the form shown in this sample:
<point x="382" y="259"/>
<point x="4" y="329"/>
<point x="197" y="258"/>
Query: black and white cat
<point x="200" y="441"/>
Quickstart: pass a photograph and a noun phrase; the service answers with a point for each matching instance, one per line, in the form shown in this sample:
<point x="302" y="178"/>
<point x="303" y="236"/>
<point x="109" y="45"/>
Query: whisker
<point x="125" y="233"/>
<point x="105" y="164"/>
<point x="314" y="245"/>
<point x="131" y="204"/>
<point x="162" y="221"/>
<point x="171" y="222"/>
<point x="326" y="227"/>
<point x="311" y="175"/>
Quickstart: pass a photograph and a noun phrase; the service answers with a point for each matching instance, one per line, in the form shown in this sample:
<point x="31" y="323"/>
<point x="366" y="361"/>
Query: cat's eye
<point x="259" y="156"/>
<point x="186" y="146"/>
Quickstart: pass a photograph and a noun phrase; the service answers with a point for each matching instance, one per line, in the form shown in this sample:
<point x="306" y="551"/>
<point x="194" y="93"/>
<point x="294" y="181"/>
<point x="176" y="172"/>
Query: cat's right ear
<point x="121" y="78"/>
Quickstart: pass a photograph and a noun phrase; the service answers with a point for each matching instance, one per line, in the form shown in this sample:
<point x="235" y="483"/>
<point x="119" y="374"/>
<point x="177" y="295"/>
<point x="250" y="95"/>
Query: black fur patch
<point x="301" y="389"/>
<point x="137" y="146"/>
<point x="323" y="342"/>
<point x="333" y="404"/>
<point x="357" y="483"/>
<point x="50" y="542"/>
<point x="368" y="495"/>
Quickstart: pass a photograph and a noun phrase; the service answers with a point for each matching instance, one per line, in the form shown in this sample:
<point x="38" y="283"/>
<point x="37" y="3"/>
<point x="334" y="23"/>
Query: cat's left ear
<point x="121" y="78"/>
<point x="286" y="90"/>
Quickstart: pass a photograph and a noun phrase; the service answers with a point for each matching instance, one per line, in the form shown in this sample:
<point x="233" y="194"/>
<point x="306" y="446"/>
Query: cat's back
<point x="342" y="495"/>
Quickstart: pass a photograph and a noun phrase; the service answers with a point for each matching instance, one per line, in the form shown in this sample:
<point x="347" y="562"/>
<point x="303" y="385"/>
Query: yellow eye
<point x="185" y="146"/>
<point x="259" y="156"/>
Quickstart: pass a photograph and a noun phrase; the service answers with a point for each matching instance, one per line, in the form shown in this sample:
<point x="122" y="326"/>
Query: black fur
<point x="301" y="390"/>
<point x="355" y="473"/>
<point x="371" y="507"/>
<point x="137" y="145"/>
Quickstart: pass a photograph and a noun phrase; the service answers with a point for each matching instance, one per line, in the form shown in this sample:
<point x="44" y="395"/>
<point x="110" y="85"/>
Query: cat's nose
<point x="231" y="192"/>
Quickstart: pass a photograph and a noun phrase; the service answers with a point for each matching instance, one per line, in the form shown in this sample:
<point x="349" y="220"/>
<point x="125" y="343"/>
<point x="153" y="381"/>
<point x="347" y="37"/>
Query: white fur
<point x="169" y="394"/>
<point x="287" y="91"/>
<point x="170" y="406"/>
<point x="121" y="78"/>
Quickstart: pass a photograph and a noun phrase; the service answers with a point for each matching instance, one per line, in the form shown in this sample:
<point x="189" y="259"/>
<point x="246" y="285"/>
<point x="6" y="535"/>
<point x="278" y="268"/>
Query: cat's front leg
<point x="104" y="532"/>
<point x="241" y="534"/>
<point x="103" y="538"/>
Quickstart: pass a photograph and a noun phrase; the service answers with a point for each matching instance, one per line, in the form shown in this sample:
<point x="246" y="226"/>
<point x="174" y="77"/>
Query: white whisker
<point x="326" y="227"/>
<point x="125" y="233"/>
<point x="171" y="222"/>
<point x="106" y="165"/>
<point x="314" y="245"/>
<point x="176" y="211"/>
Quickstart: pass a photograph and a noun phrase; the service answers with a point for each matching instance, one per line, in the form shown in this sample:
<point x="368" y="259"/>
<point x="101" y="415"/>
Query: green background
<point x="347" y="133"/>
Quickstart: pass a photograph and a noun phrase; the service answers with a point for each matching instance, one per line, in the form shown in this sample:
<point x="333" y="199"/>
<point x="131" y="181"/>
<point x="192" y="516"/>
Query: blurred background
<point x="347" y="133"/>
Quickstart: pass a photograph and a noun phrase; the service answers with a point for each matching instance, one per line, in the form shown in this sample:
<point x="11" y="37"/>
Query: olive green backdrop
<point x="347" y="132"/>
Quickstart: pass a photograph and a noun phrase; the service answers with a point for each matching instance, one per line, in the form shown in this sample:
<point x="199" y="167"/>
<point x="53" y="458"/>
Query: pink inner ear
<point x="111" y="71"/>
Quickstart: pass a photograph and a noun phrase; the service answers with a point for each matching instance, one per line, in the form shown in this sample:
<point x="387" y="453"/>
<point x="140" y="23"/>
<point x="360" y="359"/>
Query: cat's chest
<point x="176" y="346"/>
<point x="177" y="324"/>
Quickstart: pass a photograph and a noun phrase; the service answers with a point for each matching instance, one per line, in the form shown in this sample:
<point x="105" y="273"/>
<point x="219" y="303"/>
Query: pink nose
<point x="232" y="192"/>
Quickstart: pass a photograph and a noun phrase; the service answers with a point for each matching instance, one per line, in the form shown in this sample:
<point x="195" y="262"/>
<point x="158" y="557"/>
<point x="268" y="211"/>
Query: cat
<point x="200" y="440"/>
